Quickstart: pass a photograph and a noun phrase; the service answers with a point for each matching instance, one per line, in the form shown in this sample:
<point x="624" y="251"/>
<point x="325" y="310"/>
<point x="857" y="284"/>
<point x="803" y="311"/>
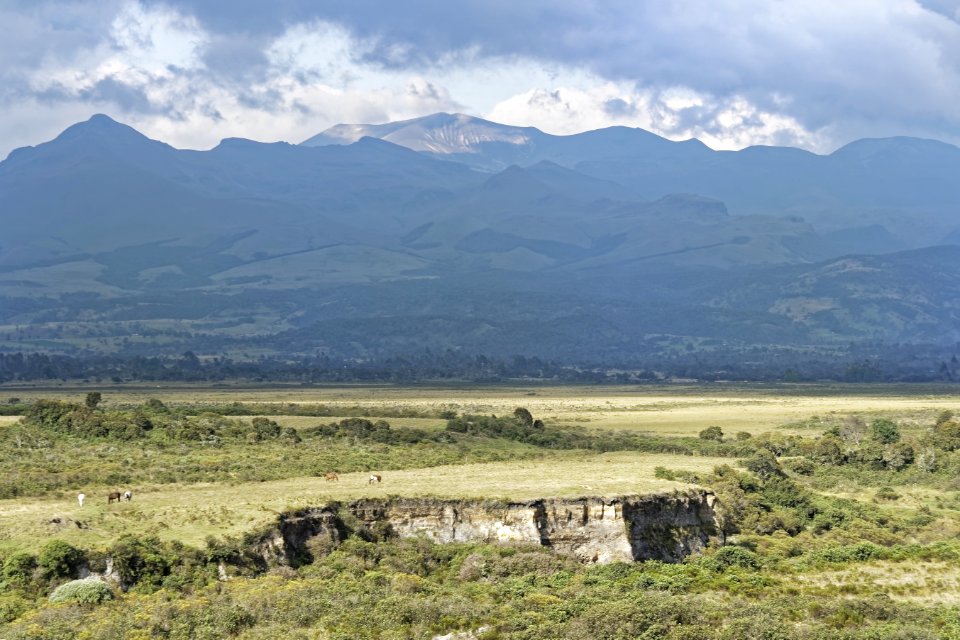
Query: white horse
<point x="128" y="495"/>
<point x="80" y="499"/>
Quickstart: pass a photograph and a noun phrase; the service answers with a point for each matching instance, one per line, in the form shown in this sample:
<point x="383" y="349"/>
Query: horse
<point x="375" y="479"/>
<point x="331" y="476"/>
<point x="80" y="499"/>
<point x="128" y="495"/>
<point x="113" y="495"/>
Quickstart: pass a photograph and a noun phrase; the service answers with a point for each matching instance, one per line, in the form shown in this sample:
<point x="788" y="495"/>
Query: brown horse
<point x="375" y="479"/>
<point x="331" y="476"/>
<point x="113" y="495"/>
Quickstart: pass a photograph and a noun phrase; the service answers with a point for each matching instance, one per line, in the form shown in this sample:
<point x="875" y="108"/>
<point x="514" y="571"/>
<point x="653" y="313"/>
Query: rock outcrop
<point x="665" y="527"/>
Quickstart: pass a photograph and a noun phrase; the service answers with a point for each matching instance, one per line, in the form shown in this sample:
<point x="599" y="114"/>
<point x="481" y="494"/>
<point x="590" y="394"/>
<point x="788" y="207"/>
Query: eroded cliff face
<point x="656" y="527"/>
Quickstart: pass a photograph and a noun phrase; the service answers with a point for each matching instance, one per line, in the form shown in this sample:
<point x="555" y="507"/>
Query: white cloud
<point x="814" y="74"/>
<point x="143" y="47"/>
<point x="677" y="113"/>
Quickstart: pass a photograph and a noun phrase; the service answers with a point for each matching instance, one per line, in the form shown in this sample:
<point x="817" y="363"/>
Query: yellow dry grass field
<point x="663" y="411"/>
<point x="8" y="420"/>
<point x="191" y="513"/>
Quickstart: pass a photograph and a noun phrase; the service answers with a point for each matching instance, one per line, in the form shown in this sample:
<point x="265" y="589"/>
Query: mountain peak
<point x="438" y="133"/>
<point x="101" y="125"/>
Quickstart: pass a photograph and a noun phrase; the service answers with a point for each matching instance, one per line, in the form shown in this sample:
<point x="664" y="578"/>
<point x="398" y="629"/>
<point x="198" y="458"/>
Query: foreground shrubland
<point x="845" y="533"/>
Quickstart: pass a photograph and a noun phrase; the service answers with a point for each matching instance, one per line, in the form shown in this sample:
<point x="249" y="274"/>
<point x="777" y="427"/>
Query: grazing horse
<point x="128" y="495"/>
<point x="80" y="499"/>
<point x="375" y="479"/>
<point x="331" y="476"/>
<point x="113" y="495"/>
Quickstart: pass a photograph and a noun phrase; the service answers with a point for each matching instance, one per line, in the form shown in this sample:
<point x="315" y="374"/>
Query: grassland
<point x="191" y="513"/>
<point x="673" y="411"/>
<point x="835" y="529"/>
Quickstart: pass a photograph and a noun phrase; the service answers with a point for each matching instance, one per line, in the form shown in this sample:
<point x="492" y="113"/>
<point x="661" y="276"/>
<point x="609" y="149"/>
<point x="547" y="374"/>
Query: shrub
<point x="946" y="433"/>
<point x="899" y="455"/>
<point x="523" y="416"/>
<point x="801" y="466"/>
<point x="764" y="464"/>
<point x="827" y="450"/>
<point x="885" y="431"/>
<point x="265" y="429"/>
<point x="18" y="568"/>
<point x="886" y="493"/>
<point x="140" y="560"/>
<point x="59" y="559"/>
<point x="728" y="557"/>
<point x="664" y="474"/>
<point x="12" y="606"/>
<point x="86" y="591"/>
<point x="714" y="434"/>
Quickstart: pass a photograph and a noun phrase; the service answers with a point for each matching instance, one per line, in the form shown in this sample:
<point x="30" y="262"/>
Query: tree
<point x="853" y="430"/>
<point x="885" y="431"/>
<point x="764" y="464"/>
<point x="899" y="455"/>
<point x="827" y="450"/>
<point x="93" y="399"/>
<point x="712" y="433"/>
<point x="523" y="416"/>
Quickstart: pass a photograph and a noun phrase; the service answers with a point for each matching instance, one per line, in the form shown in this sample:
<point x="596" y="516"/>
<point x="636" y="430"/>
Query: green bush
<point x="12" y="606"/>
<point x="59" y="559"/>
<point x="143" y="561"/>
<point x="664" y="474"/>
<point x="801" y="466"/>
<point x="712" y="433"/>
<point x="18" y="568"/>
<point x="764" y="464"/>
<point x="86" y="591"/>
<point x="730" y="557"/>
<point x="885" y="431"/>
<point x="887" y="493"/>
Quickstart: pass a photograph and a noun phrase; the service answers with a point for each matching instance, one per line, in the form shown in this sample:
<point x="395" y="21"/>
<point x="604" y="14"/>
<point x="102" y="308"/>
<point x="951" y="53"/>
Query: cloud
<point x="679" y="114"/>
<point x="732" y="72"/>
<point x="159" y="69"/>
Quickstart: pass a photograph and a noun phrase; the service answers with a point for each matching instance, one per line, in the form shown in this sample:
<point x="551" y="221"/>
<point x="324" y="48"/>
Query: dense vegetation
<point x="789" y="535"/>
<point x="676" y="358"/>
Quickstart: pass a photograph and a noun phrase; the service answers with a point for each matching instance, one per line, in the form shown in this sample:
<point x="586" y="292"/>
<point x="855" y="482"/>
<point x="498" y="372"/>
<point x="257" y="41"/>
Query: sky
<point x="814" y="74"/>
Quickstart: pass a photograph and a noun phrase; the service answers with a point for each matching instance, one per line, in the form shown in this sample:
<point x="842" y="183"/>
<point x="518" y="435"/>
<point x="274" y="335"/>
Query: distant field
<point x="191" y="513"/>
<point x="298" y="422"/>
<point x="660" y="410"/>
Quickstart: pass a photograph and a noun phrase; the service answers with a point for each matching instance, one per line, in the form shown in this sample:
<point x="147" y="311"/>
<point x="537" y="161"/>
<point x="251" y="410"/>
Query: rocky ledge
<point x="666" y="527"/>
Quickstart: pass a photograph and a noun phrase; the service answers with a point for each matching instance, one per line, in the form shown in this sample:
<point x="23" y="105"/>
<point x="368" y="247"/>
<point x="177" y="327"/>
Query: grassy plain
<point x="190" y="513"/>
<point x="855" y="548"/>
<point x="667" y="411"/>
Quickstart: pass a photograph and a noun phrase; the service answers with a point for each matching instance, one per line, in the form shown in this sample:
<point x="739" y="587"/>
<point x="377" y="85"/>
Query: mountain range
<point x="452" y="232"/>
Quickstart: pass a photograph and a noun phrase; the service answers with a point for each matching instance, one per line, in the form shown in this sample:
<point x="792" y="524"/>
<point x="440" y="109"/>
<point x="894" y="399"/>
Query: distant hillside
<point x="893" y="182"/>
<point x="450" y="232"/>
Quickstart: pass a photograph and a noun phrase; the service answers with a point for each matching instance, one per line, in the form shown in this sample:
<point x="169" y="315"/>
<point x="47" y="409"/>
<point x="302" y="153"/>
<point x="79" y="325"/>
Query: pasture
<point x="226" y="495"/>
<point x="190" y="513"/>
<point x="658" y="410"/>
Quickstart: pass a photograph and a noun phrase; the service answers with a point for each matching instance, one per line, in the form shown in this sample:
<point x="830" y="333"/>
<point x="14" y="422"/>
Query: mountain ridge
<point x="615" y="233"/>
